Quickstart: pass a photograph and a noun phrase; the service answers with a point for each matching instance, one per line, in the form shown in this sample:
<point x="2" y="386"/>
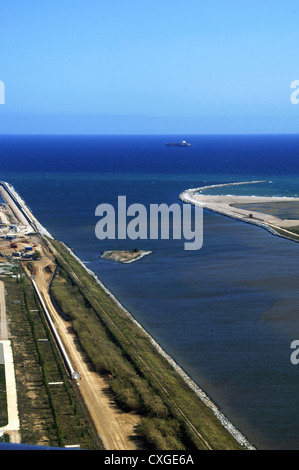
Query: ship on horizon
<point x="183" y="143"/>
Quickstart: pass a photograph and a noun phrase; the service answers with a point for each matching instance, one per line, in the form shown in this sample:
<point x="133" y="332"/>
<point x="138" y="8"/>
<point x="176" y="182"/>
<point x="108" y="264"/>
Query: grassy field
<point x="173" y="416"/>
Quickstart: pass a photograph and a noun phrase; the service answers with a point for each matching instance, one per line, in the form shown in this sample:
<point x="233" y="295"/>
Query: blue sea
<point x="226" y="313"/>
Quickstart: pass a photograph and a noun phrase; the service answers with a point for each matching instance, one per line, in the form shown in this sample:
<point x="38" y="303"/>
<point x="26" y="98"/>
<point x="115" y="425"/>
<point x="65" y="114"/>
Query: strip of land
<point x="278" y="215"/>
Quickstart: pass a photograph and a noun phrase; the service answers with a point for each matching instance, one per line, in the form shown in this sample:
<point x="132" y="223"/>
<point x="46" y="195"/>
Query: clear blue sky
<point x="159" y="66"/>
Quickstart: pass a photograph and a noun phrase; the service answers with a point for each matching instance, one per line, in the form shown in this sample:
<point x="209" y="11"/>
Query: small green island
<point x="124" y="256"/>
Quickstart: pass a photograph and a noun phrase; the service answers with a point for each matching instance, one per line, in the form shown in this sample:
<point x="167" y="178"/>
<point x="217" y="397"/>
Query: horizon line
<point x="10" y="134"/>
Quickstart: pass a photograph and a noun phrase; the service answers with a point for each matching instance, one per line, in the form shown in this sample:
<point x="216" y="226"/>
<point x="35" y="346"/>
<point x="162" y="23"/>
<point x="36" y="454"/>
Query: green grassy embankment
<point x="173" y="416"/>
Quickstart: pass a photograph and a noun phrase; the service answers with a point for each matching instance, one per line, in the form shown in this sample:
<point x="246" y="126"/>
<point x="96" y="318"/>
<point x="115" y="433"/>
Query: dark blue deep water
<point x="227" y="313"/>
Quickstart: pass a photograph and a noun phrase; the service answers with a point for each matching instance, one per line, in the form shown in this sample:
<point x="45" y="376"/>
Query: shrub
<point x="160" y="434"/>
